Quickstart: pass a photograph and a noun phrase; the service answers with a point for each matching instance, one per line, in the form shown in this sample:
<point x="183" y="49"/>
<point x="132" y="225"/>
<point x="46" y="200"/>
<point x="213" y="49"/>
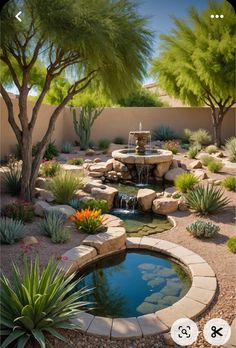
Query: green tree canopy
<point x="81" y="41"/>
<point x="197" y="61"/>
<point x="141" y="97"/>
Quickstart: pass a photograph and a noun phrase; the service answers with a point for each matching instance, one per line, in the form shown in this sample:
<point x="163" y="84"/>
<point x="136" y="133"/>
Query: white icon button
<point x="184" y="332"/>
<point x="217" y="331"/>
<point x="18" y="16"/>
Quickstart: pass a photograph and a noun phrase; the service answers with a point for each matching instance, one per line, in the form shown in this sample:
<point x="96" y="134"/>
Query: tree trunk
<point x="26" y="150"/>
<point x="217" y="118"/>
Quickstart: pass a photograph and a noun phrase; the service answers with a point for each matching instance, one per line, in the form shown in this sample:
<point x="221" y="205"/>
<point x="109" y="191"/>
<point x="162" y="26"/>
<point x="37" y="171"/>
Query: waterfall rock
<point x="172" y="173"/>
<point x="161" y="169"/>
<point x="119" y="167"/>
<point x="107" y="193"/>
<point x="95" y="174"/>
<point x="112" y="240"/>
<point x="93" y="183"/>
<point x="164" y="206"/>
<point x="145" y="198"/>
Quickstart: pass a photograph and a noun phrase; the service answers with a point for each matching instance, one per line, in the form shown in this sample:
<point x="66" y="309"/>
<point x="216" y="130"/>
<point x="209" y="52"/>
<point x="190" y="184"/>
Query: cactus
<point x="53" y="227"/>
<point x="10" y="230"/>
<point x="66" y="147"/>
<point x="88" y="115"/>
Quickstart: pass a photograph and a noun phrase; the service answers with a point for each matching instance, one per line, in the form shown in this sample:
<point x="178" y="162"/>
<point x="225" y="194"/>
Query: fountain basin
<point x="150" y="157"/>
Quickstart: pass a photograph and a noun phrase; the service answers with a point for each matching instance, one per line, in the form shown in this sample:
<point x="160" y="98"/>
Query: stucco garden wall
<point x="114" y="122"/>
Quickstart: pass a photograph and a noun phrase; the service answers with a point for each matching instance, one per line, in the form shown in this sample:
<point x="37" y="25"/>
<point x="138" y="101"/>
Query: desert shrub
<point x="88" y="221"/>
<point x="77" y="161"/>
<point x="103" y="144"/>
<point x="215" y="166"/>
<point x="66" y="147"/>
<point x="201" y="136"/>
<point x="49" y="154"/>
<point x="230" y="183"/>
<point x="50" y="168"/>
<point x="211" y="149"/>
<point x="10" y="230"/>
<point x="193" y="151"/>
<point x="206" y="199"/>
<point x="202" y="229"/>
<point x="38" y="300"/>
<point x="53" y="227"/>
<point x="119" y="140"/>
<point x="187" y="134"/>
<point x="98" y="204"/>
<point x="185" y="182"/>
<point x="64" y="186"/>
<point x="230" y="148"/>
<point x="164" y="133"/>
<point x="20" y="210"/>
<point x="12" y="177"/>
<point x="172" y="146"/>
<point x="206" y="160"/>
<point x="231" y="244"/>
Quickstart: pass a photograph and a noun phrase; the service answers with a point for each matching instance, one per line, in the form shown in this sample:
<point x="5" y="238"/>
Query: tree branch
<point x="11" y="119"/>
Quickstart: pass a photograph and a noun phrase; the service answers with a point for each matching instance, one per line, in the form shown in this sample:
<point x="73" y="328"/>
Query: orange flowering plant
<point x="88" y="220"/>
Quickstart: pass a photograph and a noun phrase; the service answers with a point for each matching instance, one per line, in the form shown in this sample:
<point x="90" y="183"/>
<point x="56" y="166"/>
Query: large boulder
<point x="172" y="173"/>
<point x="119" y="167"/>
<point x="102" y="167"/>
<point x="112" y="240"/>
<point x="107" y="193"/>
<point x="145" y="198"/>
<point x="40" y="207"/>
<point x="161" y="169"/>
<point x="72" y="168"/>
<point x="90" y="152"/>
<point x="41" y="183"/>
<point x="164" y="206"/>
<point x="64" y="209"/>
<point x="96" y="174"/>
<point x="44" y="194"/>
<point x="93" y="183"/>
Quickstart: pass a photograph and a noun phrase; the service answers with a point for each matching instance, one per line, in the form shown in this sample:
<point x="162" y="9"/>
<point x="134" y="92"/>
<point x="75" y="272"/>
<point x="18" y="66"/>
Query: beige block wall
<point x="114" y="122"/>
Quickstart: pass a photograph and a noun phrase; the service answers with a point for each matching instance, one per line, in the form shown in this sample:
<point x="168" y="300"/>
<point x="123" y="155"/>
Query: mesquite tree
<point x="197" y="62"/>
<point x="83" y="40"/>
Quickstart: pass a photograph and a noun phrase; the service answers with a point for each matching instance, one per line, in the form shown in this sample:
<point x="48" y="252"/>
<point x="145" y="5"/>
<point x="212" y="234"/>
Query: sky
<point x="160" y="12"/>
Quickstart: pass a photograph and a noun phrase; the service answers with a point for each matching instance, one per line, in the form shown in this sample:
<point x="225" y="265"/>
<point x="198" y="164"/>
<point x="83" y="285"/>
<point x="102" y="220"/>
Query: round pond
<point x="133" y="283"/>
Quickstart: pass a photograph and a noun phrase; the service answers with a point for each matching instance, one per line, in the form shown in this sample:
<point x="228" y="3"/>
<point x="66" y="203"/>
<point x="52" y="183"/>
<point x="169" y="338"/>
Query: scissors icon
<point x="216" y="331"/>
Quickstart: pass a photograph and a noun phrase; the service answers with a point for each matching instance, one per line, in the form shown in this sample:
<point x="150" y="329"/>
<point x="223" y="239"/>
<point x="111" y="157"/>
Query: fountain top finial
<point x="140" y="126"/>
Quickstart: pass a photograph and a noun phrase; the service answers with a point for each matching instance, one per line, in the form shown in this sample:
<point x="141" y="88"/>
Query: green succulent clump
<point x="202" y="229"/>
<point x="11" y="230"/>
<point x="53" y="227"/>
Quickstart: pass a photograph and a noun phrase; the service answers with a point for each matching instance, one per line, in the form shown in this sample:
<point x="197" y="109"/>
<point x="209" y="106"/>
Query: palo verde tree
<point x="83" y="40"/>
<point x="197" y="62"/>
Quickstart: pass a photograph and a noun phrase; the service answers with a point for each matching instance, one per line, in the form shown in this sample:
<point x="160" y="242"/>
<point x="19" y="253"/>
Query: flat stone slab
<point x="112" y="240"/>
<point x="193" y="258"/>
<point x="133" y="242"/>
<point x="126" y="328"/>
<point x="201" y="269"/>
<point x="151" y="325"/>
<point x="82" y="321"/>
<point x="77" y="257"/>
<point x="169" y="315"/>
<point x="112" y="221"/>
<point x="190" y="308"/>
<point x="201" y="295"/>
<point x="100" y="326"/>
<point x="208" y="283"/>
<point x="180" y="251"/>
<point x="148" y="242"/>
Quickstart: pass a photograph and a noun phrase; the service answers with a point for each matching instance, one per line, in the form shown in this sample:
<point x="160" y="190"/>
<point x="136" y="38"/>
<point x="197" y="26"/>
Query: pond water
<point x="133" y="283"/>
<point x="138" y="224"/>
<point x="131" y="189"/>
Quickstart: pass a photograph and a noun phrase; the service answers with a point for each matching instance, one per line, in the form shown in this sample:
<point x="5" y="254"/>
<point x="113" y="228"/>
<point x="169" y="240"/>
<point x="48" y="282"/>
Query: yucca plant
<point x="11" y="230"/>
<point x="64" y="186"/>
<point x="53" y="227"/>
<point x="185" y="182"/>
<point x="37" y="302"/>
<point x="206" y="199"/>
<point x="12" y="177"/>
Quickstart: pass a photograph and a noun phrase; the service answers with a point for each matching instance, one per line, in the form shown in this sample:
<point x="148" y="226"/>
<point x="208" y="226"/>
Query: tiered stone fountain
<point x="143" y="162"/>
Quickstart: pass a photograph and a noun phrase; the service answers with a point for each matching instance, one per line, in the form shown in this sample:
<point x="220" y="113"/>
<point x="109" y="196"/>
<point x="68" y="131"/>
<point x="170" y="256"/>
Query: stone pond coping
<point x="198" y="298"/>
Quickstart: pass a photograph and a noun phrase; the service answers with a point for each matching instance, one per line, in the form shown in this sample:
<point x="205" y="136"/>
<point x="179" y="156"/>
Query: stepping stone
<point x="150" y="325"/>
<point x="126" y="328"/>
<point x="100" y="326"/>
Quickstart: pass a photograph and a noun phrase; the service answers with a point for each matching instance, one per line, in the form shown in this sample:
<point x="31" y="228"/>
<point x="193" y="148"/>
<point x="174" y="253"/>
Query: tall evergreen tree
<point x="197" y="61"/>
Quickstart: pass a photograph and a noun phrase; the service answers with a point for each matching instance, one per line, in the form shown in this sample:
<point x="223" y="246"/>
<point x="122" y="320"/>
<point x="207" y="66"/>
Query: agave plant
<point x="206" y="199"/>
<point x="37" y="302"/>
<point x="53" y="227"/>
<point x="10" y="230"/>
